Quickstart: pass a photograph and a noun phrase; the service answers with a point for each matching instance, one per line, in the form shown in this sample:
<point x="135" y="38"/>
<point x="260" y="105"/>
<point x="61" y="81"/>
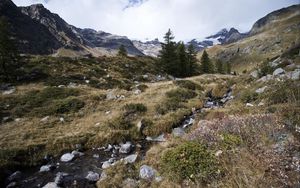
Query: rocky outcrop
<point x="149" y="48"/>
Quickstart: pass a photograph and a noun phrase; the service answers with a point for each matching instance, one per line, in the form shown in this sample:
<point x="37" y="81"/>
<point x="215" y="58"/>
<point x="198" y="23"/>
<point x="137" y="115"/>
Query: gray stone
<point x="9" y="91"/>
<point x="131" y="158"/>
<point x="178" y="132"/>
<point x="160" y="138"/>
<point x="45" y="119"/>
<point x="126" y="148"/>
<point x="106" y="165"/>
<point x="92" y="176"/>
<point x="129" y="183"/>
<point x="261" y="90"/>
<point x="77" y="153"/>
<point x="254" y="74"/>
<point x="67" y="157"/>
<point x="111" y="96"/>
<point x="51" y="185"/>
<point x="147" y="173"/>
<point x="15" y="176"/>
<point x="278" y="72"/>
<point x="45" y="168"/>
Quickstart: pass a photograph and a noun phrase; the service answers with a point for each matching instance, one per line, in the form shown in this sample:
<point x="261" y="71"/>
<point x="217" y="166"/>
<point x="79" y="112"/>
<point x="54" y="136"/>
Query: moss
<point x="190" y="160"/>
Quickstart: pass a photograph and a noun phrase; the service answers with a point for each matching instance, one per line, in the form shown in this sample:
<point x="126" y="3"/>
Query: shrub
<point x="142" y="87"/>
<point x="189" y="160"/>
<point x="265" y="69"/>
<point x="230" y="141"/>
<point x="249" y="96"/>
<point x="187" y="84"/>
<point x="288" y="91"/>
<point x="120" y="123"/>
<point x="181" y="94"/>
<point x="170" y="104"/>
<point x="64" y="106"/>
<point x="134" y="108"/>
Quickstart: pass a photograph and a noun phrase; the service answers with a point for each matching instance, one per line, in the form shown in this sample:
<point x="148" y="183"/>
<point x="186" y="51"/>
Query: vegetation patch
<point x="249" y="96"/>
<point x="230" y="141"/>
<point x="191" y="161"/>
<point x="187" y="84"/>
<point x="133" y="108"/>
<point x="287" y="92"/>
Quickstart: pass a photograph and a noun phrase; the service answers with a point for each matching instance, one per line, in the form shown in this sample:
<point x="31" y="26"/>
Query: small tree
<point x="206" y="64"/>
<point x="228" y="68"/>
<point x="8" y="52"/>
<point x="182" y="61"/>
<point x="191" y="59"/>
<point x="220" y="67"/>
<point x="122" y="51"/>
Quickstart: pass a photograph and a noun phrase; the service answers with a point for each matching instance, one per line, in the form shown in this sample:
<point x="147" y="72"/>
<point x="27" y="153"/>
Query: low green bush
<point x="190" y="160"/>
<point x="287" y="92"/>
<point x="249" y="96"/>
<point x="230" y="141"/>
<point x="181" y="94"/>
<point x="132" y="108"/>
<point x="187" y="84"/>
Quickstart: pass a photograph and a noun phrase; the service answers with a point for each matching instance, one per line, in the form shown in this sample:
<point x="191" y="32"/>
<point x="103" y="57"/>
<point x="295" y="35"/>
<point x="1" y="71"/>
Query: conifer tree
<point x="122" y="51"/>
<point x="206" y="64"/>
<point x="220" y="67"/>
<point x="191" y="59"/>
<point x="182" y="61"/>
<point x="228" y="68"/>
<point x="8" y="52"/>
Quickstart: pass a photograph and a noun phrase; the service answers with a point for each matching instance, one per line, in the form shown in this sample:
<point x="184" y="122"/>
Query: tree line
<point x="179" y="61"/>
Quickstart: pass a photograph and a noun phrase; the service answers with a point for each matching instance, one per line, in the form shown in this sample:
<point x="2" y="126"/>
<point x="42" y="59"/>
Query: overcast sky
<point x="141" y="19"/>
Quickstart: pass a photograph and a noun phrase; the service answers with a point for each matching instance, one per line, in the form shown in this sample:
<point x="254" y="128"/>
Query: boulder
<point x="46" y="168"/>
<point x="67" y="157"/>
<point x="147" y="173"/>
<point x="178" y="132"/>
<point x="131" y="158"/>
<point x="77" y="153"/>
<point x="51" y="185"/>
<point x="126" y="148"/>
<point x="278" y="72"/>
<point x="106" y="165"/>
<point x="92" y="176"/>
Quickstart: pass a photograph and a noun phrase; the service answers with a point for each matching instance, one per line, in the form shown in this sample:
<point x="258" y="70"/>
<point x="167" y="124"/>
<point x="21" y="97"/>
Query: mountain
<point x="149" y="48"/>
<point x="39" y="31"/>
<point x="222" y="37"/>
<point x="269" y="37"/>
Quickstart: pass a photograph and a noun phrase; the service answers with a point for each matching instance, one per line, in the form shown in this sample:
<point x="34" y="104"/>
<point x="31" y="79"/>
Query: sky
<point x="150" y="19"/>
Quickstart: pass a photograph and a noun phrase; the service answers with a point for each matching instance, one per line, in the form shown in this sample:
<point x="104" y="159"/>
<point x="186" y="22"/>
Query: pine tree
<point x="220" y="67"/>
<point x="122" y="51"/>
<point x="8" y="52"/>
<point x="192" y="60"/>
<point x="182" y="60"/>
<point x="206" y="64"/>
<point x="228" y="68"/>
<point x="168" y="56"/>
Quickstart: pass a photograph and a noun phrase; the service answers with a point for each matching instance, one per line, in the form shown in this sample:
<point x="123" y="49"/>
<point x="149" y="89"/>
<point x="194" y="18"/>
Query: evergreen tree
<point x="122" y="51"/>
<point x="182" y="60"/>
<point x="168" y="56"/>
<point x="8" y="52"/>
<point x="220" y="67"/>
<point x="228" y="68"/>
<point x="206" y="64"/>
<point x="192" y="60"/>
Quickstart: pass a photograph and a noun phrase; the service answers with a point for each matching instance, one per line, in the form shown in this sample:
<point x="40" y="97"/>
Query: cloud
<point x="142" y="19"/>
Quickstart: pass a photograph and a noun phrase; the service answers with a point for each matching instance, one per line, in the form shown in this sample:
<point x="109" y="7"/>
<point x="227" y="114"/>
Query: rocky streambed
<point x="81" y="168"/>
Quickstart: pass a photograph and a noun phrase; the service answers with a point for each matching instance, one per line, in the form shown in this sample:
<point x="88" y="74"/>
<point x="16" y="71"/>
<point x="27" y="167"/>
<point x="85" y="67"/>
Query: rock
<point x="61" y="86"/>
<point x="6" y="119"/>
<point x="265" y="78"/>
<point x="12" y="185"/>
<point x="51" y="185"/>
<point x="160" y="138"/>
<point x="72" y="85"/>
<point x="254" y="74"/>
<point x="278" y="72"/>
<point x="145" y="76"/>
<point x="77" y="153"/>
<point x="15" y="176"/>
<point x="137" y="92"/>
<point x="146" y="172"/>
<point x="96" y="156"/>
<point x="45" y="119"/>
<point x="275" y="63"/>
<point x="110" y="96"/>
<point x="46" y="168"/>
<point x="131" y="158"/>
<point x="126" y="148"/>
<point x="78" y="147"/>
<point x="111" y="160"/>
<point x="106" y="165"/>
<point x="87" y="81"/>
<point x="67" y="157"/>
<point x="249" y="105"/>
<point x="107" y="112"/>
<point x="92" y="176"/>
<point x="178" y="132"/>
<point x="59" y="178"/>
<point x="9" y="91"/>
<point x="103" y="176"/>
<point x="109" y="148"/>
<point x="158" y="179"/>
<point x="294" y="75"/>
<point x="129" y="183"/>
<point x="61" y="119"/>
<point x="218" y="153"/>
<point x="261" y="104"/>
<point x="261" y="90"/>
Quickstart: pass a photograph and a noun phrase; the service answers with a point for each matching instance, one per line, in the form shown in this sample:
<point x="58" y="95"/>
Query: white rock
<point x="77" y="153"/>
<point x="61" y="119"/>
<point x="278" y="72"/>
<point x="160" y="138"/>
<point x="106" y="165"/>
<point x="254" y="74"/>
<point x="97" y="124"/>
<point x="275" y="63"/>
<point x="218" y="153"/>
<point x="131" y="158"/>
<point x="87" y="81"/>
<point x="92" y="176"/>
<point x="51" y="185"/>
<point x="45" y="168"/>
<point x="261" y="104"/>
<point x="110" y="96"/>
<point x="67" y="157"/>
<point x="97" y="156"/>
<point x="261" y="90"/>
<point x="126" y="148"/>
<point x="107" y="112"/>
<point x="249" y="105"/>
<point x="145" y="76"/>
<point x="10" y="91"/>
<point x="137" y="92"/>
<point x="146" y="172"/>
<point x="178" y="132"/>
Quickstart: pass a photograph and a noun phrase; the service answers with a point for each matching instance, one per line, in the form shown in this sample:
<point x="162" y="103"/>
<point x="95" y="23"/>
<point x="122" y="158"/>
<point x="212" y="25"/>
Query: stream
<point x="83" y="168"/>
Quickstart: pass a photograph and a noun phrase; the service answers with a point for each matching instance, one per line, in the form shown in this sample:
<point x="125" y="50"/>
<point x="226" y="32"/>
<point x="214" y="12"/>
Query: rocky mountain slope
<point x="269" y="38"/>
<point x="149" y="48"/>
<point x="38" y="31"/>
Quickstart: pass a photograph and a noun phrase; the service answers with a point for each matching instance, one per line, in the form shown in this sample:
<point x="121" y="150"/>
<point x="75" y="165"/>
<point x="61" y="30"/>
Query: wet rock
<point x="147" y="173"/>
<point x="51" y="185"/>
<point x="92" y="176"/>
<point x="67" y="157"/>
<point x="131" y="158"/>
<point x="129" y="183"/>
<point x="126" y="148"/>
<point x="261" y="90"/>
<point x="160" y="138"/>
<point x="15" y="176"/>
<point x="109" y="148"/>
<point x="278" y="72"/>
<point x="12" y="185"/>
<point x="178" y="132"/>
<point x="106" y="165"/>
<point x="46" y="168"/>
